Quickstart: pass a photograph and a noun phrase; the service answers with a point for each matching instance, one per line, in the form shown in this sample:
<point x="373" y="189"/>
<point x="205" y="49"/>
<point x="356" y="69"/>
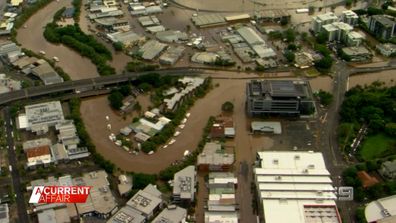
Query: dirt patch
<point x="32" y="38"/>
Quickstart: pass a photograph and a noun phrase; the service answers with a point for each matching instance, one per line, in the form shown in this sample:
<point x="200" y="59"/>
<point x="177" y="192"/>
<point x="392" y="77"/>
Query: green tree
<point x="141" y="180"/>
<point x="290" y="56"/>
<point x="227" y="107"/>
<point x="325" y="97"/>
<point x="118" y="46"/>
<point x="390" y="129"/>
<point x="289" y="35"/>
<point x="115" y="99"/>
<point x="325" y="63"/>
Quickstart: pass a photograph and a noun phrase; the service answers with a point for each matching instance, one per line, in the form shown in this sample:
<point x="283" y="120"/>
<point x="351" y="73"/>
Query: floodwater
<point x="32" y="38"/>
<point x="388" y="77"/>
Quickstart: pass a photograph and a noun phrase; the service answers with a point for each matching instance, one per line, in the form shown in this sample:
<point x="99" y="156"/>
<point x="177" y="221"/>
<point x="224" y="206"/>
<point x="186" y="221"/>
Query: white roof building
<point x="381" y="210"/>
<point x="184" y="184"/>
<point x="39" y="117"/>
<point x="320" y="20"/>
<point x="296" y="183"/>
<point x="146" y="201"/>
<point x="171" y="214"/>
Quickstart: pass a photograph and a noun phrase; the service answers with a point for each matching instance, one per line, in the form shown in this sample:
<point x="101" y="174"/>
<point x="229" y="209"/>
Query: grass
<point x="312" y="72"/>
<point x="377" y="146"/>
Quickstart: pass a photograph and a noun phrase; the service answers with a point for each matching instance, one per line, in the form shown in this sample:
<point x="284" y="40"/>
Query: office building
<point x="283" y="97"/>
<point x="39" y="117"/>
<point x="382" y="26"/>
<point x="295" y="187"/>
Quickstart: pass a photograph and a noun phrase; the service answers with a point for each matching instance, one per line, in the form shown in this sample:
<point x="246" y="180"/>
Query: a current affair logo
<point x="59" y="194"/>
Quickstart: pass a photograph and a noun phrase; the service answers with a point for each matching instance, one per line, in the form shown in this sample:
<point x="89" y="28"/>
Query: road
<point x="18" y="190"/>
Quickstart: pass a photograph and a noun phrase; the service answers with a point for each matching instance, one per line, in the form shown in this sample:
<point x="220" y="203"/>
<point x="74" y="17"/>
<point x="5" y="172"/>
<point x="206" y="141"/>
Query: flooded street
<point x="388" y="77"/>
<point x="32" y="38"/>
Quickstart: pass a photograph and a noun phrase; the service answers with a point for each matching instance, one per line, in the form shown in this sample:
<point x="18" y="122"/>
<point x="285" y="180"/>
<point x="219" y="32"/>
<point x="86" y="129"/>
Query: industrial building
<point x="208" y="20"/>
<point x="281" y="97"/>
<point x="213" y="158"/>
<point x="172" y="55"/>
<point x="184" y="183"/>
<point x="320" y="20"/>
<point x="171" y="36"/>
<point x="39" y="117"/>
<point x="46" y="73"/>
<point x="295" y="187"/>
<point x="382" y="210"/>
<point x="256" y="43"/>
<point x="151" y="49"/>
<point x="127" y="39"/>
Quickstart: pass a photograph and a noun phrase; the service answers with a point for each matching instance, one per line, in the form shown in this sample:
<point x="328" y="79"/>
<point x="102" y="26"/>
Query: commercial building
<point x="386" y="49"/>
<point x="39" y="117"/>
<point x="113" y="24"/>
<point x="172" y="55"/>
<point x="350" y="17"/>
<point x="358" y="53"/>
<point x="274" y="15"/>
<point x="388" y="169"/>
<point x="295" y="187"/>
<point x="213" y="158"/>
<point x="184" y="183"/>
<point x="284" y="97"/>
<point x="339" y="31"/>
<point x="100" y="201"/>
<point x="255" y="42"/>
<point x="40" y="155"/>
<point x="171" y="214"/>
<point x="382" y="26"/>
<point x="149" y="21"/>
<point x="382" y="210"/>
<point x="7" y="48"/>
<point x="320" y="20"/>
<point x="204" y="57"/>
<point x="151" y="49"/>
<point x="155" y="29"/>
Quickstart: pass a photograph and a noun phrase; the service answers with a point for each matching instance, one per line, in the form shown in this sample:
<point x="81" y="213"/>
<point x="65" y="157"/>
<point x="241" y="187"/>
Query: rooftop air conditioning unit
<point x="297" y="157"/>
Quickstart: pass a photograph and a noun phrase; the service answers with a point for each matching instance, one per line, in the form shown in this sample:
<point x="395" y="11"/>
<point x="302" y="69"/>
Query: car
<point x="56" y="59"/>
<point x="42" y="52"/>
<point x="195" y="15"/>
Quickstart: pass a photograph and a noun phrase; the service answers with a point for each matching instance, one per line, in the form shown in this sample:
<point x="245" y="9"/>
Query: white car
<point x="42" y="52"/>
<point x="172" y="141"/>
<point x="176" y="133"/>
<point x="188" y="115"/>
<point x="56" y="59"/>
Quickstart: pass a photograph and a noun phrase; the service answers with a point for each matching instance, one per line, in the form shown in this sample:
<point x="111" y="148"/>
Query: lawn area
<point x="312" y="72"/>
<point x="377" y="146"/>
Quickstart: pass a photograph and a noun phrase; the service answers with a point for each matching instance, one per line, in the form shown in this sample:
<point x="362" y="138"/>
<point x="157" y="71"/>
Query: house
<point x="38" y="156"/>
<point x="366" y="179"/>
<point x="223" y="127"/>
<point x="213" y="158"/>
<point x="184" y="183"/>
<point x="388" y="169"/>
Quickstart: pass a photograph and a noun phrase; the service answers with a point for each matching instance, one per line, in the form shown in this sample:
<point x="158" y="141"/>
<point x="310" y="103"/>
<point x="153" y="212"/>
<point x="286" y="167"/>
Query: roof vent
<point x="297" y="157"/>
<point x="275" y="161"/>
<point x="305" y="171"/>
<point x="311" y="166"/>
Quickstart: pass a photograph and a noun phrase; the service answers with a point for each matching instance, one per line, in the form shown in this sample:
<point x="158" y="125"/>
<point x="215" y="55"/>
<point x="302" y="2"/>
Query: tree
<point x="227" y="107"/>
<point x="322" y="37"/>
<point x="390" y="129"/>
<point x="324" y="63"/>
<point x="325" y="97"/>
<point x="141" y="180"/>
<point x="125" y="90"/>
<point x="115" y="99"/>
<point x="284" y="21"/>
<point x="289" y="35"/>
<point x="290" y="56"/>
<point x="118" y="46"/>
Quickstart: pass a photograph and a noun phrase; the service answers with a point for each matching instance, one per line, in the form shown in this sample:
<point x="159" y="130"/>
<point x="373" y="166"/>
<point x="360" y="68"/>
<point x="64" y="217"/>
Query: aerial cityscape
<point x="207" y="111"/>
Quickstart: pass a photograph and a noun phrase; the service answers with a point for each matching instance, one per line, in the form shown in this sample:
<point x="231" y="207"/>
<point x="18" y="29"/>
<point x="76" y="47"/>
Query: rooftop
<point x="43" y="114"/>
<point x="381" y="209"/>
<point x="296" y="183"/>
<point x="250" y="36"/>
<point x="184" y="183"/>
<point x="38" y="151"/>
<point x="127" y="215"/>
<point x="145" y="201"/>
<point x="171" y="214"/>
<point x="326" y="16"/>
<point x="212" y="154"/>
<point x="152" y="49"/>
<point x="278" y="88"/>
<point x="384" y="20"/>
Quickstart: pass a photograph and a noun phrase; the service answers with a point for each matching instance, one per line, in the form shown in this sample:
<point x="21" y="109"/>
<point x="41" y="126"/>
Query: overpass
<point x="85" y="84"/>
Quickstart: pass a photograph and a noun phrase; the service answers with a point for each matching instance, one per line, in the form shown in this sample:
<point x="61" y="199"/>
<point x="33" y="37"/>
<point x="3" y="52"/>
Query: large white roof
<point x="375" y="210"/>
<point x="292" y="183"/>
